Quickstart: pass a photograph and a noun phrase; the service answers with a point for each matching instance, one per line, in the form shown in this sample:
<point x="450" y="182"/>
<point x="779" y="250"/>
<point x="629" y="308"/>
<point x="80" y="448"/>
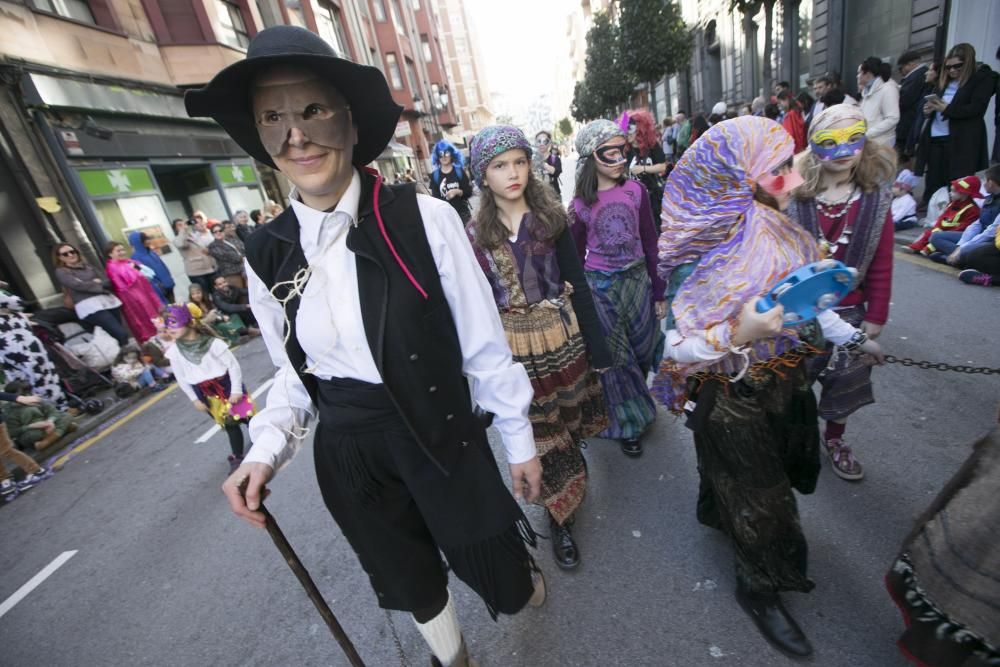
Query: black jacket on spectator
<point x="233" y="300"/>
<point x="911" y="91"/>
<point x="968" y="151"/>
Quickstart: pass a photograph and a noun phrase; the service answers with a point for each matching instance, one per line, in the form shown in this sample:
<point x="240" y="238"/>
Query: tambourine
<point x="807" y="292"/>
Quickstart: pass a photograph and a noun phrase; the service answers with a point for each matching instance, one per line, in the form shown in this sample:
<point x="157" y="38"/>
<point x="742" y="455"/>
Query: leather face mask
<point x="313" y="107"/>
<point x="612" y="156"/>
<point x="835" y="144"/>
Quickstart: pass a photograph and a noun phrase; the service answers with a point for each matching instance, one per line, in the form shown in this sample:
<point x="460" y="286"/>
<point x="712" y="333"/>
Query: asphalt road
<point x="163" y="574"/>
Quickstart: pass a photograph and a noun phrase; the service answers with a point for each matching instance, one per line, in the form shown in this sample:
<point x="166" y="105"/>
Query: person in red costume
<point x="793" y="122"/>
<point x="960" y="212"/>
<point x="846" y="204"/>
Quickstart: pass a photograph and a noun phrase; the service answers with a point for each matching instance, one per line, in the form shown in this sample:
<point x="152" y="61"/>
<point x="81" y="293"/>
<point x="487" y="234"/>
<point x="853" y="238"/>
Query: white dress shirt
<point x="331" y="330"/>
<point x="218" y="361"/>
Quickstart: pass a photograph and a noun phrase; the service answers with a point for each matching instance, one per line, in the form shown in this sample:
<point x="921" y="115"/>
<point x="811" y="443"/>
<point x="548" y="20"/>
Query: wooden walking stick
<point x="307" y="583"/>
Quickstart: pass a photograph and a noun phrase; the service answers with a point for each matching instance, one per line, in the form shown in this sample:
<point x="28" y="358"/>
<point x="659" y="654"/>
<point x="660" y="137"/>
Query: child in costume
<point x="845" y="205"/>
<point x="739" y="373"/>
<point x="523" y="244"/>
<point x="612" y="224"/>
<point x="904" y="206"/>
<point x="208" y="373"/>
<point x="960" y="212"/>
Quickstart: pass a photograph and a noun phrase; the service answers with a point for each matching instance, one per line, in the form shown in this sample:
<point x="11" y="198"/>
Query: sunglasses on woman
<point x="954" y="66"/>
<point x="67" y="253"/>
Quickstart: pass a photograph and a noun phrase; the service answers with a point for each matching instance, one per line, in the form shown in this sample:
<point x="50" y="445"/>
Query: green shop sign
<point x="231" y="174"/>
<point x="110" y="182"/>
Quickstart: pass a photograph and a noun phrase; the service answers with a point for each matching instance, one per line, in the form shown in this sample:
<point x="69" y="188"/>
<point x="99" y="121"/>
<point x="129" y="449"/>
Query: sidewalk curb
<point x="115" y="413"/>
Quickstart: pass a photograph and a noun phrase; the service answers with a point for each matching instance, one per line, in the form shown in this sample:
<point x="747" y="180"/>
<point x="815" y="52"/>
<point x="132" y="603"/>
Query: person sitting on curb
<point x="130" y="370"/>
<point x="954" y="247"/>
<point x="34" y="425"/>
<point x="33" y="473"/>
<point x="960" y="212"/>
<point x="231" y="301"/>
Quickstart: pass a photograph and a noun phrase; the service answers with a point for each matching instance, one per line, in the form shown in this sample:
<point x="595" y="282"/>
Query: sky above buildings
<point x="520" y="42"/>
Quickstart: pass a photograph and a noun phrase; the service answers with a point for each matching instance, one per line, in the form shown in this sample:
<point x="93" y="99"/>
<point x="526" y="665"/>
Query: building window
<point x="411" y="80"/>
<point x="232" y="29"/>
<point x="78" y="10"/>
<point x="394" y="76"/>
<point x="397" y="16"/>
<point x="330" y="26"/>
<point x="425" y="43"/>
<point x="379" y="10"/>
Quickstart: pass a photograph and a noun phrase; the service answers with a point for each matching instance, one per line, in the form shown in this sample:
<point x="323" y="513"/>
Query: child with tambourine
<point x="208" y="373"/>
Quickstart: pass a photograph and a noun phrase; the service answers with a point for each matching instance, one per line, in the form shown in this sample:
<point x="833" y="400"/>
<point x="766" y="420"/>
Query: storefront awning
<point x="42" y="90"/>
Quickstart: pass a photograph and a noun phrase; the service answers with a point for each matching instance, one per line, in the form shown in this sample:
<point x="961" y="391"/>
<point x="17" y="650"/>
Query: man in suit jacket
<point x="911" y="91"/>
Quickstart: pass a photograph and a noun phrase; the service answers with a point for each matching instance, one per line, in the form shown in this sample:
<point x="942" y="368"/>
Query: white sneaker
<point x="7" y="488"/>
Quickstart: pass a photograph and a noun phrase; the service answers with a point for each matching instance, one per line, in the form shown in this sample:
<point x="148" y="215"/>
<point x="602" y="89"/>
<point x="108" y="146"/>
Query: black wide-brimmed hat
<point x="227" y="96"/>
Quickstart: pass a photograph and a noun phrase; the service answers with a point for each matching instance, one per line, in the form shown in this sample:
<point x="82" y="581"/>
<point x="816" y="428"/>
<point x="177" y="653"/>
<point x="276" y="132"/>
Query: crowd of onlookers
<point x="933" y="113"/>
<point x="108" y="333"/>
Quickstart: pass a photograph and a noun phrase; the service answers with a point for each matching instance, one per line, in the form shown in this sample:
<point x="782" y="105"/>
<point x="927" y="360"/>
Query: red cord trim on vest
<point x="385" y="235"/>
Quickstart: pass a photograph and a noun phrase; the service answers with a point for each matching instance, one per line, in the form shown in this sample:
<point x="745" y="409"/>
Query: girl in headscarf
<point x="207" y="372"/>
<point x="449" y="180"/>
<point x="738" y="373"/>
<point x="615" y="234"/>
<point x="845" y="204"/>
<point x="140" y="302"/>
<point x="524" y="246"/>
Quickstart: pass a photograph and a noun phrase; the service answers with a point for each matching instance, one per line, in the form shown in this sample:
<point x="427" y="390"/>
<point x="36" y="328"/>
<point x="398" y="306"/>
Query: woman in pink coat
<point x="140" y="303"/>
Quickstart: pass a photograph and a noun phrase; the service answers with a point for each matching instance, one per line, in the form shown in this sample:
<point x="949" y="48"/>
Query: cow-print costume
<point x="22" y="355"/>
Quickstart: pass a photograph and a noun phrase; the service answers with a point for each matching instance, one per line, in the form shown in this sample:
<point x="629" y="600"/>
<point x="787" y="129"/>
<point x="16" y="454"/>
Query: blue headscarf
<point x="457" y="161"/>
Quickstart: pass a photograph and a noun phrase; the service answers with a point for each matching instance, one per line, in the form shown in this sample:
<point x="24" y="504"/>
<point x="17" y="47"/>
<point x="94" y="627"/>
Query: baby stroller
<point x="80" y="381"/>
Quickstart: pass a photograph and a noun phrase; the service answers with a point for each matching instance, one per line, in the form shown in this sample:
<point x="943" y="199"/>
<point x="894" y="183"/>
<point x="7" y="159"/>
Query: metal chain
<point x="930" y="365"/>
<point x="403" y="662"/>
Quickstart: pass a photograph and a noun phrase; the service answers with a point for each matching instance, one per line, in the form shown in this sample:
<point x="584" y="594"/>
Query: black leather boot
<point x="563" y="545"/>
<point x="632" y="447"/>
<point x="774" y="622"/>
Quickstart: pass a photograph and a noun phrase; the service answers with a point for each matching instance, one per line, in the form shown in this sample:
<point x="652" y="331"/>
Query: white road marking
<point x="35" y="582"/>
<point x="215" y="429"/>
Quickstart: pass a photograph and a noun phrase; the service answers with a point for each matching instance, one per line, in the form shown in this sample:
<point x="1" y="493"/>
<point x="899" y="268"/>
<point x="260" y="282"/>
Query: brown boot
<point x="461" y="660"/>
<point x="46" y="441"/>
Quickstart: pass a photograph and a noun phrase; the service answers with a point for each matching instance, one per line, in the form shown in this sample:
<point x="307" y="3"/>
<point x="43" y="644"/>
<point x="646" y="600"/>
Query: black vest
<point x="413" y="340"/>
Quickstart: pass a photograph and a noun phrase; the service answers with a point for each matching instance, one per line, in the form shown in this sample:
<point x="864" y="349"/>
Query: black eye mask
<point x="311" y="106"/>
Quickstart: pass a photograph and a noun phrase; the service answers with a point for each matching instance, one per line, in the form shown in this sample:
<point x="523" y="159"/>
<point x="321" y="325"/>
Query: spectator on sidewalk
<point x="960" y="212"/>
<point x="143" y="252"/>
<point x="22" y="355"/>
<point x="234" y="301"/>
<point x="140" y="302"/>
<point x="89" y="291"/>
<point x="956" y="248"/>
<point x="241" y="226"/>
<point x="911" y="92"/>
<point x="792" y="120"/>
<point x="130" y="370"/>
<point x="33" y="472"/>
<point x="668" y="140"/>
<point x="192" y="239"/>
<point x="257" y="217"/>
<point x="683" y="133"/>
<point x="34" y="425"/>
<point x="228" y="327"/>
<point x="228" y="252"/>
<point x="953" y="144"/>
<point x="879" y="101"/>
<point x="904" y="206"/>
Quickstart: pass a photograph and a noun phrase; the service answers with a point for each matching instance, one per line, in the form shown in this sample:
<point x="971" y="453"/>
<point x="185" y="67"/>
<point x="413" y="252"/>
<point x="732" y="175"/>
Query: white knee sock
<point x="442" y="633"/>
